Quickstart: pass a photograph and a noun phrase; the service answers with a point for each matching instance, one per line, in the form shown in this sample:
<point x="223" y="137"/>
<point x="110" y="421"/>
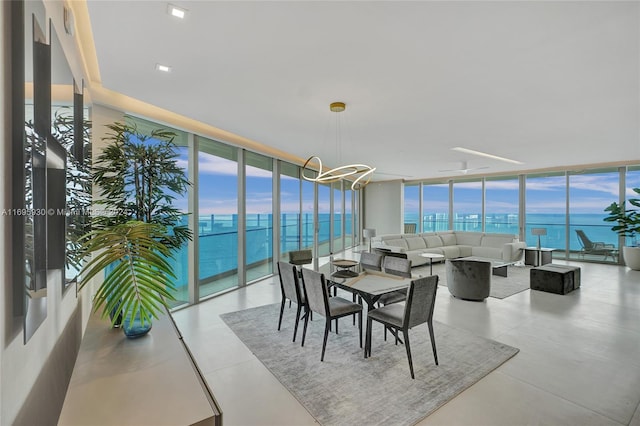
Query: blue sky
<point x="589" y="193"/>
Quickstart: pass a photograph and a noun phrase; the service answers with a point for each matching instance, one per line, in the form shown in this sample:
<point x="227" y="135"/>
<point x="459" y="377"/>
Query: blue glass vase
<point x="136" y="328"/>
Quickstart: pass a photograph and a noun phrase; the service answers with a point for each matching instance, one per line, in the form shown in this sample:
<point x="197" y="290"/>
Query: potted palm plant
<point x="627" y="225"/>
<point x="137" y="178"/>
<point x="139" y="281"/>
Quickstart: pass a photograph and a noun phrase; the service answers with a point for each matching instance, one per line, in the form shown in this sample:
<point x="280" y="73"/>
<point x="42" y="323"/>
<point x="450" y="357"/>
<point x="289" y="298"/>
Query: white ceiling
<point x="547" y="83"/>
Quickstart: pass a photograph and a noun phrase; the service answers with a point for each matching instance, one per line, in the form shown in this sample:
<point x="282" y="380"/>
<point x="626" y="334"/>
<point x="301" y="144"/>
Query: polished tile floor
<point x="579" y="359"/>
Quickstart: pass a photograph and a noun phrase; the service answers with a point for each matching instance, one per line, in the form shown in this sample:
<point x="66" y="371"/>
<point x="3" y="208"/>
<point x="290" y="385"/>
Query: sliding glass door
<point x="258" y="240"/>
<point x="217" y="217"/>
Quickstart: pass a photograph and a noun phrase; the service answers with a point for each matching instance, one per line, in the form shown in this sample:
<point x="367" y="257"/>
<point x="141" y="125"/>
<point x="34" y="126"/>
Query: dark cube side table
<point x="559" y="279"/>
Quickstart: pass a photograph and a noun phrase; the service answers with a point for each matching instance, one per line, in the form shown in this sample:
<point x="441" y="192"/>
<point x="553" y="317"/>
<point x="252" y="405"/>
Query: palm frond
<point x="140" y="279"/>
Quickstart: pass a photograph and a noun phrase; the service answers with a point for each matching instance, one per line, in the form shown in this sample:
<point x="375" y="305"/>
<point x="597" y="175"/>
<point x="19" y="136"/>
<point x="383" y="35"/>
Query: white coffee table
<point x="432" y="256"/>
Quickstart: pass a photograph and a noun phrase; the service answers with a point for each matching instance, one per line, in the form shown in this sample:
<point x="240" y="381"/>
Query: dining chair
<point x="290" y="288"/>
<point x="300" y="257"/>
<point x="395" y="266"/>
<point x="371" y="261"/>
<point x="318" y="300"/>
<point x="417" y="310"/>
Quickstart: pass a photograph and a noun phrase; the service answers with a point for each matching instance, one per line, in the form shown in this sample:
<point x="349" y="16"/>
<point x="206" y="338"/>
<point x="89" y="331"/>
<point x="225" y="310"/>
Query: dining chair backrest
<point x="410" y="228"/>
<point x="371" y="261"/>
<point x="289" y="281"/>
<point x="315" y="290"/>
<point x="397" y="266"/>
<point x="421" y="299"/>
<point x="301" y="257"/>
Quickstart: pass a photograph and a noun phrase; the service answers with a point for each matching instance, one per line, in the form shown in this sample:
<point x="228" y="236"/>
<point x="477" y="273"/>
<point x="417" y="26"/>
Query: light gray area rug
<point x="347" y="389"/>
<point x="517" y="279"/>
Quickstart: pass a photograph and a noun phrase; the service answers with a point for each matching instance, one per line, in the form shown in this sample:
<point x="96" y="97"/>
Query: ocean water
<point x="218" y="239"/>
<point x="219" y="235"/>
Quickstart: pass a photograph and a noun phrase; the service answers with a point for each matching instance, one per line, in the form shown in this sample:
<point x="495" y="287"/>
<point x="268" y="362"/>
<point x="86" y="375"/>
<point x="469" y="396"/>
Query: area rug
<point x="347" y="389"/>
<point x="517" y="279"/>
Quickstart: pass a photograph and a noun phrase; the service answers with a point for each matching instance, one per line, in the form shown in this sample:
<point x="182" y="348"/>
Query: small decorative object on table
<point x="538" y="232"/>
<point x="343" y="268"/>
<point x="369" y="233"/>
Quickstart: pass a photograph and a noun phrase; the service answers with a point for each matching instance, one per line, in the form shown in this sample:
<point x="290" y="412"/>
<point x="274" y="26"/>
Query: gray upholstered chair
<point x="317" y="295"/>
<point x="301" y="257"/>
<point x="371" y="261"/>
<point x="291" y="289"/>
<point x="395" y="266"/>
<point x="418" y="309"/>
<point x="469" y="279"/>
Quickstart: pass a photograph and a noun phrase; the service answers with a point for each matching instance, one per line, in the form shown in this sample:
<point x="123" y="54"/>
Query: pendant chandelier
<point x="360" y="173"/>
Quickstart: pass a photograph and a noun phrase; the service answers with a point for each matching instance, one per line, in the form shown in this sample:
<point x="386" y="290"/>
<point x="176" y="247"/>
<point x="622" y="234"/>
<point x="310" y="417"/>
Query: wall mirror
<point x="50" y="154"/>
<point x="36" y="125"/>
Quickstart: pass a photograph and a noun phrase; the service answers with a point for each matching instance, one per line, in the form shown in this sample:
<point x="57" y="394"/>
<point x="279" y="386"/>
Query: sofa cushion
<point x="450" y="252"/>
<point x="400" y="242"/>
<point x="487" y="252"/>
<point x="495" y="241"/>
<point x="388" y="237"/>
<point x="465" y="251"/>
<point x="433" y="241"/>
<point x="415" y="243"/>
<point x="469" y="238"/>
<point x="448" y="239"/>
<point x="436" y="250"/>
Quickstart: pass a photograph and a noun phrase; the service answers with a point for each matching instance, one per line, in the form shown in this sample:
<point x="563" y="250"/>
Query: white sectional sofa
<point x="453" y="244"/>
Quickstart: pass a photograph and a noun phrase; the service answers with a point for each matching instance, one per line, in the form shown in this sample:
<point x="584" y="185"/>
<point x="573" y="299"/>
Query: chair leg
<point x="304" y="330"/>
<point x="295" y="327"/>
<point x="367" y="340"/>
<point x="433" y="342"/>
<point x="354" y="315"/>
<point x="406" y="345"/>
<point x="324" y="341"/>
<point x="360" y="327"/>
<point x="281" y="312"/>
<point x="336" y="325"/>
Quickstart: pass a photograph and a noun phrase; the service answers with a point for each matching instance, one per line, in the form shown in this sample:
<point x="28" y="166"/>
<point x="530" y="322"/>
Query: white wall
<point x="384" y="206"/>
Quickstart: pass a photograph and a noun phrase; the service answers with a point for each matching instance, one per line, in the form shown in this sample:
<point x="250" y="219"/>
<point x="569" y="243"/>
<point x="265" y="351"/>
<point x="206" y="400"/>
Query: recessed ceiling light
<point x="176" y="11"/>
<point x="484" y="154"/>
<point x="163" y="68"/>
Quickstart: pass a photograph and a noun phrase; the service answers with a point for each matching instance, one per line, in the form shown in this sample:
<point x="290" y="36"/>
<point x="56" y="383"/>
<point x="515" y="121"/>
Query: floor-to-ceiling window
<point x="338" y="208"/>
<point x="179" y="260"/>
<point x="435" y="210"/>
<point x="546" y="206"/>
<point x="501" y="205"/>
<point x="590" y="192"/>
<point x="412" y="205"/>
<point x="290" y="217"/>
<point x="348" y="218"/>
<point x="324" y="219"/>
<point x="307" y="219"/>
<point x="632" y="180"/>
<point x="259" y="216"/>
<point x="217" y="216"/>
<point x="467" y="205"/>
